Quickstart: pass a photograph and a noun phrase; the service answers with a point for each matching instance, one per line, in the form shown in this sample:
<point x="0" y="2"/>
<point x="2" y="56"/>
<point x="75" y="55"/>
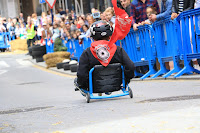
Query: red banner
<point x="122" y="24"/>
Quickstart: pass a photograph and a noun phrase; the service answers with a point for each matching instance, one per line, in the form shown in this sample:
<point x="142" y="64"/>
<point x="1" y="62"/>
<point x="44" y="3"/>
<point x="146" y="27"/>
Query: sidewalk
<point x="178" y="121"/>
<point x="183" y="77"/>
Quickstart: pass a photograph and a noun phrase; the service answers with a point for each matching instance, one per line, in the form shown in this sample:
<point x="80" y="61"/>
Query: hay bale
<point x="19" y="44"/>
<point x="57" y="54"/>
<point x="52" y="59"/>
<point x="51" y="62"/>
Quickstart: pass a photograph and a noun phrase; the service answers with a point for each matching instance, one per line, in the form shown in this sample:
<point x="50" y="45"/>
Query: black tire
<point x="40" y="59"/>
<point x="87" y="97"/>
<point x="38" y="53"/>
<point x="130" y="92"/>
<point x="38" y="48"/>
<point x="74" y="68"/>
<point x="66" y="67"/>
<point x="60" y="65"/>
<point x="30" y="50"/>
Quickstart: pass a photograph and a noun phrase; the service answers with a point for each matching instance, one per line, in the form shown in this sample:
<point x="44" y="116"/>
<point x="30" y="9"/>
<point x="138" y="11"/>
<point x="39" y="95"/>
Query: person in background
<point x="9" y="23"/>
<point x="35" y="20"/>
<point x="23" y="32"/>
<point x="2" y="28"/>
<point x="31" y="32"/>
<point x="150" y="10"/>
<point x="86" y="32"/>
<point x="17" y="31"/>
<point x="21" y="16"/>
<point x="110" y="15"/>
<point x="12" y="31"/>
<point x="197" y="4"/>
<point x="179" y="6"/>
<point x="61" y="11"/>
<point x="138" y="10"/>
<point x="166" y="10"/>
<point x="46" y="34"/>
<point x="39" y="32"/>
<point x="126" y="4"/>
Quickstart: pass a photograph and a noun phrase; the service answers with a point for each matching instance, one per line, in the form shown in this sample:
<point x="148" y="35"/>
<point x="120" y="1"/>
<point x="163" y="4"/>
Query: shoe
<point x="108" y="93"/>
<point x="197" y="67"/>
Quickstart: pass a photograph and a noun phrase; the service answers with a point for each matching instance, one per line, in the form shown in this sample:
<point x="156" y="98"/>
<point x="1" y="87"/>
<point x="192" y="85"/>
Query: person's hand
<point x="135" y="26"/>
<point x="174" y="15"/>
<point x="152" y="18"/>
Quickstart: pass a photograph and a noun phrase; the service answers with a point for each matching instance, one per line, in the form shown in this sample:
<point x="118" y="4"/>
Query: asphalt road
<point x="35" y="100"/>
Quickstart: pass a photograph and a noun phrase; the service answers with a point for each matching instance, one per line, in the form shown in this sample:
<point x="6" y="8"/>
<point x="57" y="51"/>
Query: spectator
<point x="166" y="9"/>
<point x="126" y="4"/>
<point x="197" y="4"/>
<point x="21" y="16"/>
<point x="110" y="15"/>
<point x="39" y="32"/>
<point x="56" y="31"/>
<point x="35" y="20"/>
<point x="21" y="23"/>
<point x="22" y="32"/>
<point x="9" y="23"/>
<point x="179" y="6"/>
<point x="90" y="20"/>
<point x="138" y="10"/>
<point x="12" y="30"/>
<point x="5" y="24"/>
<point x="61" y="11"/>
<point x="17" y="31"/>
<point x="31" y="32"/>
<point x="150" y="10"/>
<point x="2" y="28"/>
<point x="86" y="32"/>
<point x="46" y="34"/>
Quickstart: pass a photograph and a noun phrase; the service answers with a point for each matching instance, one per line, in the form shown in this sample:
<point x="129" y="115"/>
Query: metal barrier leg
<point x="137" y="74"/>
<point x="151" y="70"/>
<point x="175" y="70"/>
<point x="161" y="71"/>
<point x="187" y="69"/>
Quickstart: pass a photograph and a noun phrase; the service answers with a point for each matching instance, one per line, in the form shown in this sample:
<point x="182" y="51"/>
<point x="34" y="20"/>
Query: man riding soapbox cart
<point x="104" y="67"/>
<point x="106" y="80"/>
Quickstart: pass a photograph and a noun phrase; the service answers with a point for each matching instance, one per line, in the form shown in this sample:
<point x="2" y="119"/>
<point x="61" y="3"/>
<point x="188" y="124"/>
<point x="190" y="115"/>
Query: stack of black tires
<point x="70" y="65"/>
<point x="37" y="52"/>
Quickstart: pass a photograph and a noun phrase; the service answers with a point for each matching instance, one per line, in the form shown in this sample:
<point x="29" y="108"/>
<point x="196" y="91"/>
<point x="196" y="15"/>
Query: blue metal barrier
<point x="49" y="46"/>
<point x="188" y="24"/>
<point x="87" y="43"/>
<point x="70" y="46"/>
<point x="140" y="48"/>
<point x="78" y="50"/>
<point x="166" y="46"/>
<point x="4" y="40"/>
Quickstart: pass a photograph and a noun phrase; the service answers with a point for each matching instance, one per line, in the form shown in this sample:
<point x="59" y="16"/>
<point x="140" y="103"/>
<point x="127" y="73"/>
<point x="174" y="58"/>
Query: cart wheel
<point x="88" y="97"/>
<point x="130" y="92"/>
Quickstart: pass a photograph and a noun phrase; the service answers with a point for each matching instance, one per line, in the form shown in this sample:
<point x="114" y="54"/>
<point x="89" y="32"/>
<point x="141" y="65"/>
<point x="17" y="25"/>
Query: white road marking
<point x="3" y="71"/>
<point x="24" y="62"/>
<point x="3" y="64"/>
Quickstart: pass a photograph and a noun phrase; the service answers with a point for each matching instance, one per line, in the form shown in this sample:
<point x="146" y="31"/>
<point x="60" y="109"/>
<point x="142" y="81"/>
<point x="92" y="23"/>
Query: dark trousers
<point x="29" y="41"/>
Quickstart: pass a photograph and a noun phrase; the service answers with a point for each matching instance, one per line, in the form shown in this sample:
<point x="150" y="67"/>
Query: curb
<point x="69" y="73"/>
<point x="171" y="78"/>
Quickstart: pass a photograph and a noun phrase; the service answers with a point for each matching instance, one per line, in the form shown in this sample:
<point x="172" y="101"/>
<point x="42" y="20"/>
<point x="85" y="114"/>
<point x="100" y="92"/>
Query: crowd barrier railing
<point x="5" y="39"/>
<point x="139" y="45"/>
<point x="188" y="24"/>
<point x="49" y="46"/>
<point x="165" y="35"/>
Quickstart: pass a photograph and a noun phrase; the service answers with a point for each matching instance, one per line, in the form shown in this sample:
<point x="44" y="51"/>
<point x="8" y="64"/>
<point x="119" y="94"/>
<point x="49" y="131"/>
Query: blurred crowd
<point x="68" y="25"/>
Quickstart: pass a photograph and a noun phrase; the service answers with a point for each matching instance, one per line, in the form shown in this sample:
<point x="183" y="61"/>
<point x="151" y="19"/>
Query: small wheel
<point x="130" y="92"/>
<point x="88" y="97"/>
